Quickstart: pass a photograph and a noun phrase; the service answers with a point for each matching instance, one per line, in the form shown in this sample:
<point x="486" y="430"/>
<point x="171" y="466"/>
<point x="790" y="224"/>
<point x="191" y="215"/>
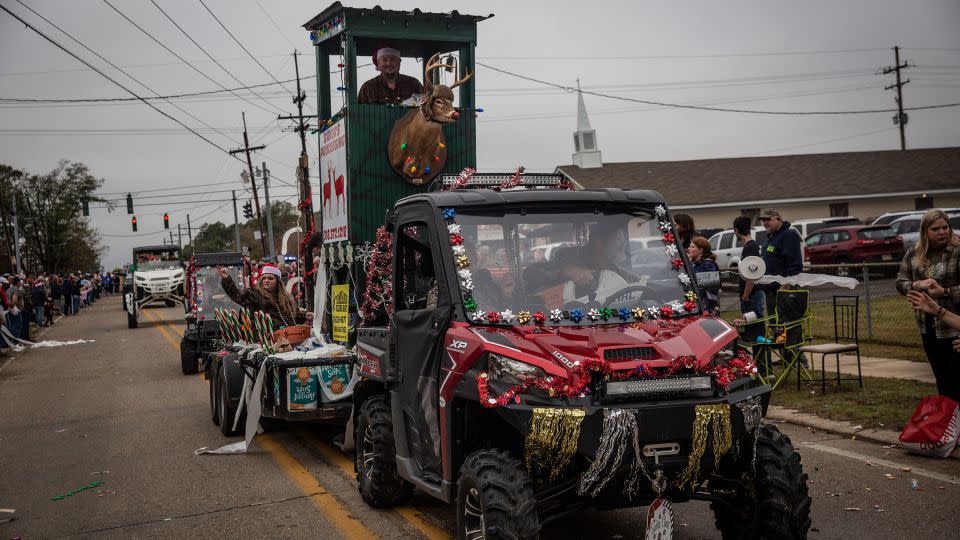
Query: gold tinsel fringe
<point x="709" y="419"/>
<point x="552" y="440"/>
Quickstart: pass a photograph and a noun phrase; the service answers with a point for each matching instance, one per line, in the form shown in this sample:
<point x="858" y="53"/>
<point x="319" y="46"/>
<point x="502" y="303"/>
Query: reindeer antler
<point x="431" y="65"/>
<point x="458" y="82"/>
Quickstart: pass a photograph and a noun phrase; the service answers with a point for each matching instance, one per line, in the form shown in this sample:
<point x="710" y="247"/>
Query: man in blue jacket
<point x="782" y="253"/>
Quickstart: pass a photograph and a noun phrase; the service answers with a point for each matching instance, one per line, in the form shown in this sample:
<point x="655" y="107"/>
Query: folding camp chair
<point x="846" y="338"/>
<point x="785" y="332"/>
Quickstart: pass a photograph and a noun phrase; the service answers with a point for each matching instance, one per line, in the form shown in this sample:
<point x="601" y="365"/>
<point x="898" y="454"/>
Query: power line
<point x="683" y="56"/>
<point x="104" y="75"/>
<point x="171" y="51"/>
<point x="204" y="51"/>
<point x="252" y="57"/>
<point x="707" y="108"/>
<point x="275" y="25"/>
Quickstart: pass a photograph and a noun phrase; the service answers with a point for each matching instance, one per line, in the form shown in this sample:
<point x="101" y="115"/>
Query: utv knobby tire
<point x="188" y="356"/>
<point x="498" y="487"/>
<point x="375" y="456"/>
<point x="169" y="303"/>
<point x="214" y="400"/>
<point x="132" y="320"/>
<point x="773" y="502"/>
<point x="226" y="412"/>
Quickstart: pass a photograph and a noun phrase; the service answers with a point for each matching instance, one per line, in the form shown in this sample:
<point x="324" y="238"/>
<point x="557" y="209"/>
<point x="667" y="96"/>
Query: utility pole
<point x="901" y="118"/>
<point x="236" y="223"/>
<point x="272" y="251"/>
<point x="16" y="236"/>
<point x="189" y="232"/>
<point x="171" y="237"/>
<point x="179" y="237"/>
<point x="303" y="174"/>
<point x="253" y="181"/>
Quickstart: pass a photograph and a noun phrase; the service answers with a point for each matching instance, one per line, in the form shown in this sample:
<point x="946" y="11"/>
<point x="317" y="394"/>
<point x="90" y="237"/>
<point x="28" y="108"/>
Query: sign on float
<point x="334" y="182"/>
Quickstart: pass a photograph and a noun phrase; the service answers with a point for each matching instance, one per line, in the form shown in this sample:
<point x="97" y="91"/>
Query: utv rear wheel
<point x="132" y="320"/>
<point x="772" y="500"/>
<point x="214" y="401"/>
<point x="188" y="356"/>
<point x="169" y="303"/>
<point x="375" y="454"/>
<point x="495" y="498"/>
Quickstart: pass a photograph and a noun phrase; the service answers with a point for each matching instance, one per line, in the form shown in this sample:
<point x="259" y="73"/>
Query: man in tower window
<point x="390" y="87"/>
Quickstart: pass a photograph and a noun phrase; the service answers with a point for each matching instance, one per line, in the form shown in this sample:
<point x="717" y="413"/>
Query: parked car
<point x="854" y="244"/>
<point x="890" y="217"/>
<point x="806" y="227"/>
<point x="725" y="245"/>
<point x="908" y="227"/>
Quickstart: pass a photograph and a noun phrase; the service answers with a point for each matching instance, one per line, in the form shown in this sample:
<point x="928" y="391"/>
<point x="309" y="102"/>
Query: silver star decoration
<point x="479" y="316"/>
<point x="556" y="315"/>
<point x="464" y="274"/>
<point x="661" y="211"/>
<point x="672" y="250"/>
<point x="684" y="278"/>
<point x="467" y="285"/>
<point x="453" y="228"/>
<point x="506" y="315"/>
<point x="459" y="250"/>
<point x="677" y="306"/>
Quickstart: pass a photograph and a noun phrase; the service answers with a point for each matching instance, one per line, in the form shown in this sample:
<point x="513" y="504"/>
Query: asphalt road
<point x="119" y="411"/>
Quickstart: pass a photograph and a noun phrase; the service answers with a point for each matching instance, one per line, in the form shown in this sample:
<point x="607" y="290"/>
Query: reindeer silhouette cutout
<point x="326" y="190"/>
<point x="338" y="188"/>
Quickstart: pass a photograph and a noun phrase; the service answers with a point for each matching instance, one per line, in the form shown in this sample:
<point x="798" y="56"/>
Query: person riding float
<point x="267" y="296"/>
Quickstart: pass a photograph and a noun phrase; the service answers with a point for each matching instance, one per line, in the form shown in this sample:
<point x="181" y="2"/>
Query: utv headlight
<point x="510" y="372"/>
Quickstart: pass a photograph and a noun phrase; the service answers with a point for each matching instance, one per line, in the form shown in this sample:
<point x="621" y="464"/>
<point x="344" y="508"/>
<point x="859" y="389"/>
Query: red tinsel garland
<point x="514" y="180"/>
<point x="736" y="367"/>
<point x="378" y="293"/>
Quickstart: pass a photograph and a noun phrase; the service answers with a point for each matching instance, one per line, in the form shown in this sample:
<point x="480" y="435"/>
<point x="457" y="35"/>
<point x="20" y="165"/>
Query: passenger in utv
<point x="267" y="296"/>
<point x="586" y="284"/>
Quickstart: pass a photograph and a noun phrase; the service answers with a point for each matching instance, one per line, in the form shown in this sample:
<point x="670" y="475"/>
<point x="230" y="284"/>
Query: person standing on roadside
<point x="686" y="230"/>
<point x="782" y="254"/>
<point x="704" y="260"/>
<point x="67" y="291"/>
<point x="38" y="295"/>
<point x="15" y="315"/>
<point x="932" y="266"/>
<point x="751" y="295"/>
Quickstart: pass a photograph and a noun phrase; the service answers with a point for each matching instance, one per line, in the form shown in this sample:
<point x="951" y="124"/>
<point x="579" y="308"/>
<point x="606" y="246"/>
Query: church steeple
<point x="586" y="152"/>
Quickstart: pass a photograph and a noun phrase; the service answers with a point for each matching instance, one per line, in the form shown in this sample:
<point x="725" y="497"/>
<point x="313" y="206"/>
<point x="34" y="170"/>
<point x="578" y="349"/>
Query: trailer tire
<point x="495" y="494"/>
<point x="375" y="456"/>
<point x="771" y="502"/>
<point x="214" y="400"/>
<point x="188" y="356"/>
<point x="224" y="410"/>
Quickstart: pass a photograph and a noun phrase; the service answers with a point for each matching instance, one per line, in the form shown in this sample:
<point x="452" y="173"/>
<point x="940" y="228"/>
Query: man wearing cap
<point x="390" y="87"/>
<point x="782" y="253"/>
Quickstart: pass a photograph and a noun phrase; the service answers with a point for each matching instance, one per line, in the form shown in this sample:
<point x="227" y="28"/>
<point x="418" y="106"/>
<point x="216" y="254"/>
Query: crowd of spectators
<point x="28" y="302"/>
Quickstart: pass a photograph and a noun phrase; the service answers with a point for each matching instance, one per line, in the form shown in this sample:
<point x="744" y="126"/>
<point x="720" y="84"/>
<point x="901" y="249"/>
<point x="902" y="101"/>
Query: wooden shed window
<point x="839" y="209"/>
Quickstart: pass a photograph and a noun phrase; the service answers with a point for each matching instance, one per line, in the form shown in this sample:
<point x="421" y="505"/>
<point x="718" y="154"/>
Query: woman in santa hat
<point x="267" y="295"/>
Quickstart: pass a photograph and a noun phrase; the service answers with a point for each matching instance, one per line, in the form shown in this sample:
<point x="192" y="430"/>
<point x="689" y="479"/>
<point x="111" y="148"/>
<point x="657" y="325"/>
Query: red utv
<point x="522" y="389"/>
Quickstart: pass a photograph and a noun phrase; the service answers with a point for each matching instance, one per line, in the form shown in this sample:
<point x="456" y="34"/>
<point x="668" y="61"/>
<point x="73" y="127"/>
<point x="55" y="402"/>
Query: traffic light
<point x="166" y="221"/>
<point x="129" y="203"/>
<point x="133" y="223"/>
<point x="85" y="204"/>
<point x="248" y="210"/>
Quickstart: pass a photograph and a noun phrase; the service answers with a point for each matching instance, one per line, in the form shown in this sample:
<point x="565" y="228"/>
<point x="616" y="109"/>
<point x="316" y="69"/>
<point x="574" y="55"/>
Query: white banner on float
<point x="334" y="182"/>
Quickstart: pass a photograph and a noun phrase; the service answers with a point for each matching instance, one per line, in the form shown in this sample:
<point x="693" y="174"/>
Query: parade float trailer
<point x="156" y="275"/>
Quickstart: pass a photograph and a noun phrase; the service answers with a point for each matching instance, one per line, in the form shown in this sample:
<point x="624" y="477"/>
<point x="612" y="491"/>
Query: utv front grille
<point x="630" y="353"/>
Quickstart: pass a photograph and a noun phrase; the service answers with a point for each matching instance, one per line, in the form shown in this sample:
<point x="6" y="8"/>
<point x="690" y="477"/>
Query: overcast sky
<point x="726" y="54"/>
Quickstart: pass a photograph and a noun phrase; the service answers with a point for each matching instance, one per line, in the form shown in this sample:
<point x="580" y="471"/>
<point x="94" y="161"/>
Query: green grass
<point x="895" y="333"/>
<point x="882" y="403"/>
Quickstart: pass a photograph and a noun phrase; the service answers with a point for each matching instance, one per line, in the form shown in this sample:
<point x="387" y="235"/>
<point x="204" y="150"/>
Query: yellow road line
<point x="409" y="513"/>
<point x="330" y="506"/>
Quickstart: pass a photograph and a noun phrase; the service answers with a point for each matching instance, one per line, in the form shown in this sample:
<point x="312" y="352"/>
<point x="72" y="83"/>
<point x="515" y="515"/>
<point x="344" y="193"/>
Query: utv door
<point x="420" y="320"/>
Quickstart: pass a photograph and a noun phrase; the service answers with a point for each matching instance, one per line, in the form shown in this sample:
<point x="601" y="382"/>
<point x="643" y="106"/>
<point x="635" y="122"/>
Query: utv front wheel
<point x="380" y="483"/>
<point x="771" y="501"/>
<point x="495" y="498"/>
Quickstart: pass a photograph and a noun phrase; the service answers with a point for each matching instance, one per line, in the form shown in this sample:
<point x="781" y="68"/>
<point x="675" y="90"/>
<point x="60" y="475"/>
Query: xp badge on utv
<point x="205" y="294"/>
<point x="524" y="387"/>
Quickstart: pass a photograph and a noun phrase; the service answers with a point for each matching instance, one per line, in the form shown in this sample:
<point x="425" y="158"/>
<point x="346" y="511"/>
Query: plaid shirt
<point x="376" y="90"/>
<point x="946" y="270"/>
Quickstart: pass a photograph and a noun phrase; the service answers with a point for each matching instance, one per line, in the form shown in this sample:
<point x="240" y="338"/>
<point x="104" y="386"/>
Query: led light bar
<point x="658" y="386"/>
<point x="528" y="180"/>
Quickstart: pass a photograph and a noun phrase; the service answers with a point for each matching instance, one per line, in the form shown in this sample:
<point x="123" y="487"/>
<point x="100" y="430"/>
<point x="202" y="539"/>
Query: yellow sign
<point x="341" y="312"/>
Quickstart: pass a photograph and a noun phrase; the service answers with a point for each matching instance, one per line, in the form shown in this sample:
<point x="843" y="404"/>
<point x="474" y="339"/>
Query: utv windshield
<point x="157" y="260"/>
<point x="209" y="293"/>
<point x="612" y="260"/>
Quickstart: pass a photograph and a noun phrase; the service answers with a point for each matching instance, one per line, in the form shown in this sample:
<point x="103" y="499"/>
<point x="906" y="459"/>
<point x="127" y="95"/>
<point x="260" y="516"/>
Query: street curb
<point x="40" y="333"/>
<point x="792" y="416"/>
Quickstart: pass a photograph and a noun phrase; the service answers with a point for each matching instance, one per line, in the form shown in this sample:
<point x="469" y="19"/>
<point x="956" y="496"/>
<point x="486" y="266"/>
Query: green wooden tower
<point x="344" y="38"/>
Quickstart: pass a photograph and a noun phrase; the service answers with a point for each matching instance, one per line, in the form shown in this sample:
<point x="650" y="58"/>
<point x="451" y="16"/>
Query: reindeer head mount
<point x="438" y="103"/>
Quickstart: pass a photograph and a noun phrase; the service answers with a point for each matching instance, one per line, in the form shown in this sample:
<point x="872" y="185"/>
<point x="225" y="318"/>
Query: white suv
<point x="806" y="227"/>
<point x="725" y="246"/>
